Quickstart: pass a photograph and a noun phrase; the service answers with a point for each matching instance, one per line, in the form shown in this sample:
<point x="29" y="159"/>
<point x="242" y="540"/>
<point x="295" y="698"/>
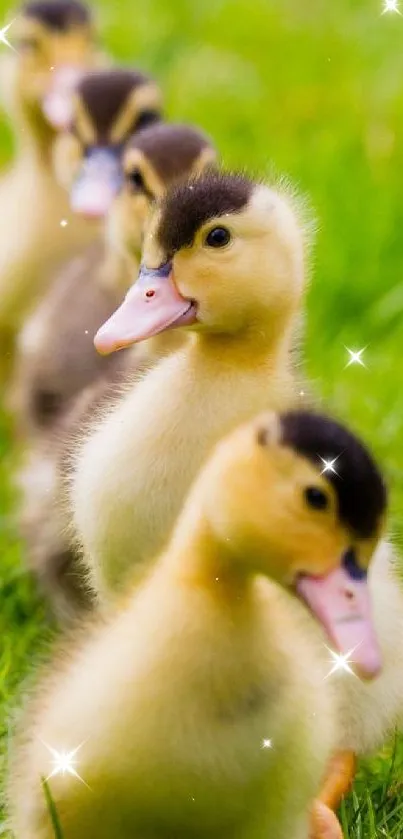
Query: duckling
<point x="54" y="44"/>
<point x="63" y="359"/>
<point x="224" y="256"/>
<point x="56" y="356"/>
<point x="199" y="707"/>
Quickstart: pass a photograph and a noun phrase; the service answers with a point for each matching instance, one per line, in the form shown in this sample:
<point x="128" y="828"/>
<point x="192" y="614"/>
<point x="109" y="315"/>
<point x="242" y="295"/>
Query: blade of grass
<point x="52" y="810"/>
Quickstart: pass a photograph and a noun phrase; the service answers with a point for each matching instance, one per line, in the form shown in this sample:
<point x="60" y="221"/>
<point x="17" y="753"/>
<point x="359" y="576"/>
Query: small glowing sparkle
<point x="328" y="465"/>
<point x="86" y="331"/>
<point x="64" y="763"/>
<point x="391" y="6"/>
<point x="341" y="662"/>
<point x="301" y="393"/>
<point x="3" y="35"/>
<point x="267" y="744"/>
<point x="63" y="223"/>
<point x="355" y="357"/>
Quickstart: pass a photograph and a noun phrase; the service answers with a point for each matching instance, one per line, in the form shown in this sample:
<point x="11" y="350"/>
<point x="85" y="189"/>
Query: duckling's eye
<point x="136" y="179"/>
<point x="316" y="498"/>
<point x="219" y="237"/>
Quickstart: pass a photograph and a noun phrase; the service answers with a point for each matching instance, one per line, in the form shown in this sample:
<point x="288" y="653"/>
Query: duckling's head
<point x="155" y="158"/>
<point x="298" y="498"/>
<point x="108" y="106"/>
<point x="223" y="254"/>
<point x="54" y="40"/>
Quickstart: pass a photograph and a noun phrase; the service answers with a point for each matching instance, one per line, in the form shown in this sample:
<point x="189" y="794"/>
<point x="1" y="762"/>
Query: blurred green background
<point x="313" y="90"/>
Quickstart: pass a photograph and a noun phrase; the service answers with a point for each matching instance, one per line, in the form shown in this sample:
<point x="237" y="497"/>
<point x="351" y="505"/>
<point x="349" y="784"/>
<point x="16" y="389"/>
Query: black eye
<point x="136" y="179"/>
<point x="316" y="498"/>
<point x="218" y="237"/>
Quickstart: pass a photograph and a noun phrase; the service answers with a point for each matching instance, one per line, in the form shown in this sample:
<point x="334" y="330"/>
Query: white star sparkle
<point x="391" y="6"/>
<point x="3" y="36"/>
<point x="64" y="763"/>
<point x="63" y="223"/>
<point x="341" y="662"/>
<point x="355" y="357"/>
<point x="267" y="744"/>
<point x="328" y="465"/>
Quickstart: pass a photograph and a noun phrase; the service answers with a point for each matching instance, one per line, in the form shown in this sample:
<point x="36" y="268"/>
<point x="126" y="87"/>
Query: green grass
<point x="316" y="89"/>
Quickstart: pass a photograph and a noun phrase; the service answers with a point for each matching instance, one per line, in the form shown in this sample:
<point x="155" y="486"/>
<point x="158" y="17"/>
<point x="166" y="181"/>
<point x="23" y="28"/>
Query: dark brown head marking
<point x="171" y="149"/>
<point x="60" y="15"/>
<point x="105" y="93"/>
<point x="189" y="205"/>
<point x="358" y="483"/>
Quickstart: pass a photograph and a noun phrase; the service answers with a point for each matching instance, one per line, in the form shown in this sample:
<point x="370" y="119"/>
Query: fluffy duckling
<point x="225" y="257"/>
<point x="62" y="357"/>
<point x="199" y="708"/>
<point x="54" y="43"/>
<point x="56" y="356"/>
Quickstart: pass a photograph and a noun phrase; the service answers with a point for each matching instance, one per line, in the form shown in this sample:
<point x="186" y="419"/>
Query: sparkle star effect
<point x="355" y="357"/>
<point x="63" y="223"/>
<point x="3" y="36"/>
<point x="267" y="744"/>
<point x="328" y="465"/>
<point x="341" y="662"/>
<point x="391" y="6"/>
<point x="64" y="763"/>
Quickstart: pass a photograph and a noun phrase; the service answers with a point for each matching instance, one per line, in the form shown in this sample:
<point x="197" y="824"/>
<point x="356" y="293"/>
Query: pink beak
<point x="342" y="604"/>
<point x="152" y="305"/>
<point x="57" y="104"/>
<point x="97" y="184"/>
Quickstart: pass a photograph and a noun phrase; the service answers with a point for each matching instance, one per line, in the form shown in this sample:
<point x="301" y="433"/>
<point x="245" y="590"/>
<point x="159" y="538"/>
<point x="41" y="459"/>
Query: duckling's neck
<point x="34" y="138"/>
<point x="198" y="559"/>
<point x="247" y="348"/>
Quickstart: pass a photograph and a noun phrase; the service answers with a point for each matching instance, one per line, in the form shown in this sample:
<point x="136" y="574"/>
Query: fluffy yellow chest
<point x="172" y="705"/>
<point x="135" y="470"/>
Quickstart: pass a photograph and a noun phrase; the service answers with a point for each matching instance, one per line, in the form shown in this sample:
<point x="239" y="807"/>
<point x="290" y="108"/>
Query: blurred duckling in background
<point x="56" y="355"/>
<point x="54" y="44"/>
<point x="60" y="357"/>
<point x="200" y="708"/>
<point x="224" y="256"/>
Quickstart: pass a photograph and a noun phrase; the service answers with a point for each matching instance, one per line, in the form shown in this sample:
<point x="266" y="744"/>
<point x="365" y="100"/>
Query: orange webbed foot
<point x="339" y="779"/>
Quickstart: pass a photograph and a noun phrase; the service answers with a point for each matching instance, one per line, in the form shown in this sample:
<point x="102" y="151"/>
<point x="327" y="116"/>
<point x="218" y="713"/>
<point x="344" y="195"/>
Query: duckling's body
<point x="200" y="708"/>
<point x="56" y="357"/>
<point x="172" y="703"/>
<point x="34" y="240"/>
<point x="135" y="470"/>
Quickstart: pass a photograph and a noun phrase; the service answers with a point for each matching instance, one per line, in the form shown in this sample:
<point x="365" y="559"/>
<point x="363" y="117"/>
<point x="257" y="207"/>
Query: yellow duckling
<point x="56" y="355"/>
<point x="59" y="358"/>
<point x="224" y="256"/>
<point x="199" y="708"/>
<point x="54" y="43"/>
